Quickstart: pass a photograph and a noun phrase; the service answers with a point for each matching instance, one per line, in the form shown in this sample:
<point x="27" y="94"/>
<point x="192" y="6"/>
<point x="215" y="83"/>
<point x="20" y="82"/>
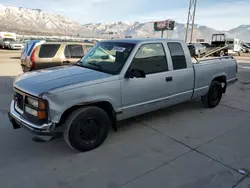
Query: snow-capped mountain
<point x="137" y="29"/>
<point x="32" y="21"/>
<point x="37" y="22"/>
<point x="242" y="32"/>
<point x="146" y="30"/>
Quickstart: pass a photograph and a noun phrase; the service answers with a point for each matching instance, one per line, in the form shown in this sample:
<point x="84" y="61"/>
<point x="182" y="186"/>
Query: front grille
<point x="19" y="101"/>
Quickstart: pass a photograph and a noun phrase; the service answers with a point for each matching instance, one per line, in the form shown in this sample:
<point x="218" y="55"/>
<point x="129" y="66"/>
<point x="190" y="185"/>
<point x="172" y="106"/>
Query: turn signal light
<point x="41" y="115"/>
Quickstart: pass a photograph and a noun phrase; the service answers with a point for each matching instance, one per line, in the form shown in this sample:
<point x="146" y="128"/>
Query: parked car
<point x="206" y="44"/>
<point x="50" y="54"/>
<point x="5" y="42"/>
<point x="15" y="45"/>
<point x="245" y="48"/>
<point x="115" y="80"/>
<point x="191" y="48"/>
<point x="199" y="49"/>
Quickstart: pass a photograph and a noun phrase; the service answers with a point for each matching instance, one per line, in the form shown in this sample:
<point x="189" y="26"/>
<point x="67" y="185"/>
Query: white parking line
<point x="244" y="67"/>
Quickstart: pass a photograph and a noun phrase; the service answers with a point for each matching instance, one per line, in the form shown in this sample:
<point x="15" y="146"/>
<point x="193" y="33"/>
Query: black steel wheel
<point x="214" y="95"/>
<point x="86" y="128"/>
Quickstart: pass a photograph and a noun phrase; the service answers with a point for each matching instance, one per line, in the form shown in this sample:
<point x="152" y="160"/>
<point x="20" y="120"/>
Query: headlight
<point x="32" y="102"/>
<point x="36" y="108"/>
<point x="30" y="111"/>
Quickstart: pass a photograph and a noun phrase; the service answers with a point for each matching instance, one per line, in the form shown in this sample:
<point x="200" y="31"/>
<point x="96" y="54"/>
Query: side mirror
<point x="135" y="73"/>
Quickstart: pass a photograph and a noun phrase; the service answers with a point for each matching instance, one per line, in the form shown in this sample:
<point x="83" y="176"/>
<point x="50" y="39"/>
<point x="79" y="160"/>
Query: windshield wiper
<point x="96" y="65"/>
<point x="93" y="63"/>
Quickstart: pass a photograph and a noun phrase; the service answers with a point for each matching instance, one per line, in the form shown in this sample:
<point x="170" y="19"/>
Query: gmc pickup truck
<point x="115" y="80"/>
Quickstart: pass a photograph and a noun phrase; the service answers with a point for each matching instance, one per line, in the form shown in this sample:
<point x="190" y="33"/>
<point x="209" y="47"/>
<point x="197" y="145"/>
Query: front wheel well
<point x="223" y="80"/>
<point x="104" y="105"/>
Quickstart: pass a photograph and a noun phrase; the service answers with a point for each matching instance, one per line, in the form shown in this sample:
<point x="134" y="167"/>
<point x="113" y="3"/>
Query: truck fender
<point x="222" y="78"/>
<point x="105" y="105"/>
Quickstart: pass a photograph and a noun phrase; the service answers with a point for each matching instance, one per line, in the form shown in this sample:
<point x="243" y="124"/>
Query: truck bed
<point x="207" y="70"/>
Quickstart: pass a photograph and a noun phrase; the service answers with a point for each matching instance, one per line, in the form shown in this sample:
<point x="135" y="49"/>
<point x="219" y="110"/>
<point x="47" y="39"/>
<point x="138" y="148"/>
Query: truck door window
<point x="150" y="58"/>
<point x="74" y="51"/>
<point x="177" y="55"/>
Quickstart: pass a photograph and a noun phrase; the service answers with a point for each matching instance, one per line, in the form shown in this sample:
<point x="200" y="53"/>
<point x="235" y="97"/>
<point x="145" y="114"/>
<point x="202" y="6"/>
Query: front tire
<point x="214" y="95"/>
<point x="86" y="128"/>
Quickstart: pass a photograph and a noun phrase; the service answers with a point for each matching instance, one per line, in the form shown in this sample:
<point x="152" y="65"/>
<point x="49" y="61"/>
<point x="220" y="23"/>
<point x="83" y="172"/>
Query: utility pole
<point x="191" y="19"/>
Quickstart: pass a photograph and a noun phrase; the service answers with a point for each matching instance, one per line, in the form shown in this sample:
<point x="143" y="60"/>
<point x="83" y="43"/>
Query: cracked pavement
<point x="184" y="146"/>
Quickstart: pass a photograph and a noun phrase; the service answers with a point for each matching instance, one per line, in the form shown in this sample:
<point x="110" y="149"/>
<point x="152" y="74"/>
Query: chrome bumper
<point x="17" y="119"/>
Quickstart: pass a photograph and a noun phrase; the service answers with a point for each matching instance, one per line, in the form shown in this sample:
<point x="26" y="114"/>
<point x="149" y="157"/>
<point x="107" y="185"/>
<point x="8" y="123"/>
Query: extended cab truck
<point x="115" y="80"/>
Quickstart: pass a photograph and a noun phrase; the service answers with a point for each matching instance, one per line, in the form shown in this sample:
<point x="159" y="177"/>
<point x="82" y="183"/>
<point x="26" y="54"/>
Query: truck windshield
<point x="108" y="57"/>
<point x="9" y="39"/>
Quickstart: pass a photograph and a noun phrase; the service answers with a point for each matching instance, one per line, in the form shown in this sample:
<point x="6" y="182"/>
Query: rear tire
<point x="214" y="95"/>
<point x="86" y="128"/>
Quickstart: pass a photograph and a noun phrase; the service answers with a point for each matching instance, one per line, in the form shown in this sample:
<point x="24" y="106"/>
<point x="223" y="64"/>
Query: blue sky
<point x="219" y="14"/>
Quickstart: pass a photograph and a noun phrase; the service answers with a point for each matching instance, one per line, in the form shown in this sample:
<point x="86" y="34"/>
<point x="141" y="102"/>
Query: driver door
<point x="141" y="95"/>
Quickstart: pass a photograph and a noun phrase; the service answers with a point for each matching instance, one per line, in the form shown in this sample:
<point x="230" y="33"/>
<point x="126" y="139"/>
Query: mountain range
<point x="37" y="22"/>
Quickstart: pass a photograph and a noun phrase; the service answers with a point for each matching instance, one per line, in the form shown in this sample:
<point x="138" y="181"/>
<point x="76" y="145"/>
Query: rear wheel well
<point x="223" y="80"/>
<point x="104" y="105"/>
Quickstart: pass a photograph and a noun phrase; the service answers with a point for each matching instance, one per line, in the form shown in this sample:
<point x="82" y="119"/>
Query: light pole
<point x="191" y="19"/>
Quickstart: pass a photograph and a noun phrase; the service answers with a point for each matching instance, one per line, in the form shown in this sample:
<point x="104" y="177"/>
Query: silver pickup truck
<point x="115" y="80"/>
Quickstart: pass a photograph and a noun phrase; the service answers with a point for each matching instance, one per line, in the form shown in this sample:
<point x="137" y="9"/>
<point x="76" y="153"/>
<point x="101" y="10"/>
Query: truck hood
<point x="42" y="81"/>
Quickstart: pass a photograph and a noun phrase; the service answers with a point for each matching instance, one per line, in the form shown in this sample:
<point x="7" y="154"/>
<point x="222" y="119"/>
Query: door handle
<point x="169" y="79"/>
<point x="66" y="62"/>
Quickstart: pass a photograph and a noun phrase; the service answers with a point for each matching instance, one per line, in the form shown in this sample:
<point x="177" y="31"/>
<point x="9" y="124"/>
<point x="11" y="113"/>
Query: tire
<point x="86" y="128"/>
<point x="214" y="95"/>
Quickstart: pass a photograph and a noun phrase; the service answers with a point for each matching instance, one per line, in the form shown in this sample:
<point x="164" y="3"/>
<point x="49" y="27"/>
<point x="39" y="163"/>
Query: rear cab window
<point x="48" y="50"/>
<point x="73" y="51"/>
<point x="177" y="55"/>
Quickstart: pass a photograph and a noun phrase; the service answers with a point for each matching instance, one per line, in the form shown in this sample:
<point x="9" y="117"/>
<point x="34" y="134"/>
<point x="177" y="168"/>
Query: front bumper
<point x="16" y="47"/>
<point x="19" y="121"/>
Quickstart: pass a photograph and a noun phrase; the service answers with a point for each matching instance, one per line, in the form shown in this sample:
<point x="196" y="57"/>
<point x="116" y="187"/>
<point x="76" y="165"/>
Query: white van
<point x="6" y="38"/>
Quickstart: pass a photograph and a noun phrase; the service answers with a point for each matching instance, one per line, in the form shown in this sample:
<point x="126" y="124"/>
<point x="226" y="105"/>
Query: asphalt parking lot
<point x="185" y="146"/>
